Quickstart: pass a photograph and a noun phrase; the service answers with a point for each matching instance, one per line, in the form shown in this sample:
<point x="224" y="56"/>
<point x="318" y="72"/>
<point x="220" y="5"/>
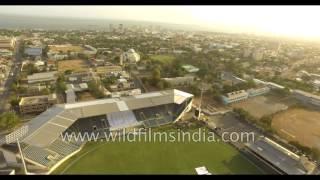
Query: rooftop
<point x="282" y="158"/>
<point x="46" y="127"/>
<point x="36" y="99"/>
<point x="307" y="94"/>
<point x="41" y="76"/>
<point x="190" y="68"/>
<point x="237" y="94"/>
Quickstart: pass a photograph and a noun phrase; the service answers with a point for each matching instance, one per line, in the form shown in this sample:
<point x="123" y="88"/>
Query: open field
<point x="264" y="105"/>
<point x="76" y="65"/>
<point x="157" y="158"/>
<point x="66" y="48"/>
<point x="165" y="59"/>
<point x="298" y="124"/>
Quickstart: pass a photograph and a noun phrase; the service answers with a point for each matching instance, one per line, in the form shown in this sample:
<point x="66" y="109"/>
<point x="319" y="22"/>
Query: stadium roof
<point x="285" y="160"/>
<point x="306" y="94"/>
<point x="46" y="127"/>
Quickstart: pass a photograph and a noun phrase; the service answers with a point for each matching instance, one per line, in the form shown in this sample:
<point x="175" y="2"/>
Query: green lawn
<point x="165" y="59"/>
<point x="157" y="158"/>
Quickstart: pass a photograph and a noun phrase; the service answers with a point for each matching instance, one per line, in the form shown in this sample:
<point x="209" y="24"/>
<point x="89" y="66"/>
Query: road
<point x="15" y="70"/>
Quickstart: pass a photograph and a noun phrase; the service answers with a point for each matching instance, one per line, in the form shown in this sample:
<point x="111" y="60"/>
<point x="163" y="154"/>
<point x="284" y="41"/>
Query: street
<point x="13" y="73"/>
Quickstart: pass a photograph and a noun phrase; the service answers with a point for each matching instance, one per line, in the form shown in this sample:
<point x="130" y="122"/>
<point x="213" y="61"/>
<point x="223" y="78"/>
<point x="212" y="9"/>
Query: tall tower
<point x="120" y="27"/>
<point x="111" y="28"/>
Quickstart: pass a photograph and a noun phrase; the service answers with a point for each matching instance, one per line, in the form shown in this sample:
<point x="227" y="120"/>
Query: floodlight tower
<point x="201" y="95"/>
<point x="22" y="158"/>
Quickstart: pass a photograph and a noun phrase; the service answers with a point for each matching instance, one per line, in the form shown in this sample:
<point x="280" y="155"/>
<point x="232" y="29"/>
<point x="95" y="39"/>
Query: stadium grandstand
<point x="44" y="147"/>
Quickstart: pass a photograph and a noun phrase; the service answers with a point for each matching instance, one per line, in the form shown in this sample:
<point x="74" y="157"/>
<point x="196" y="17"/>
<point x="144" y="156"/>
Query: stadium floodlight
<point x="14" y="137"/>
<point x="201" y="95"/>
<point x="22" y="158"/>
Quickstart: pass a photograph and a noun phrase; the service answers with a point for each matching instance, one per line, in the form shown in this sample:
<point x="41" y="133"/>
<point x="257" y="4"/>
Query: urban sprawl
<point x="56" y="81"/>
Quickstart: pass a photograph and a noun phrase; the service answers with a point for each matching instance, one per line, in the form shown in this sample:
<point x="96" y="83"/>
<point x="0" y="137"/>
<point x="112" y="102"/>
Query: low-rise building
<point x="78" y="87"/>
<point x="122" y="85"/>
<point x="275" y="86"/>
<point x="180" y="81"/>
<point x="42" y="77"/>
<point x="190" y="68"/>
<point x="33" y="51"/>
<point x="258" y="91"/>
<point x="77" y="78"/>
<point x="235" y="96"/>
<point x="316" y="84"/>
<point x="131" y="92"/>
<point x="6" y="53"/>
<point x="108" y="70"/>
<point x="37" y="104"/>
<point x="89" y="50"/>
<point x="306" y="97"/>
<point x="7" y="43"/>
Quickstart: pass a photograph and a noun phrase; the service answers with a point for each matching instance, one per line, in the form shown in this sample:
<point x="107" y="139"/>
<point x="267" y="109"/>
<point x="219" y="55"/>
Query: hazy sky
<point x="299" y="21"/>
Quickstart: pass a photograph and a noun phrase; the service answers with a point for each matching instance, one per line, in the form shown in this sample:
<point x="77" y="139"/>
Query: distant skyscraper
<point x="120" y="27"/>
<point x="111" y="27"/>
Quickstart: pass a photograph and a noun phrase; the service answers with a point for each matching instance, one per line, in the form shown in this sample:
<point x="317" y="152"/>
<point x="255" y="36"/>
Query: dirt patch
<point x="298" y="124"/>
<point x="77" y="65"/>
<point x="260" y="106"/>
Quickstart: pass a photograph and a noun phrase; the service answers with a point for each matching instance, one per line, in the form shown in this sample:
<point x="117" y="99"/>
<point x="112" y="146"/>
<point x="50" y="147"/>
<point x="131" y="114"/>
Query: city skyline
<point x="290" y="21"/>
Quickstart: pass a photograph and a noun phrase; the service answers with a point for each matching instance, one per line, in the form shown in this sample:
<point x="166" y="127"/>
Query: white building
<point x="130" y="56"/>
<point x="190" y="68"/>
<point x="235" y="96"/>
<point x="42" y="77"/>
<point x="180" y="81"/>
<point x="275" y="86"/>
<point x="258" y="91"/>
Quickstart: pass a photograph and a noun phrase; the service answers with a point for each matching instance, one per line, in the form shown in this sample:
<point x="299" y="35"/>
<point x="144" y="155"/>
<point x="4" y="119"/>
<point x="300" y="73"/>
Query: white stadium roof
<point x="46" y="127"/>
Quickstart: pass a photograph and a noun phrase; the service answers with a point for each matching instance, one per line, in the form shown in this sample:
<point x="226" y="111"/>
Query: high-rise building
<point x="111" y="29"/>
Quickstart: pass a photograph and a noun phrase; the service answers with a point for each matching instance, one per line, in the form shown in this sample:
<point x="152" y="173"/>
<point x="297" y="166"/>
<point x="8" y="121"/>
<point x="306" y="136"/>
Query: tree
<point x="306" y="78"/>
<point x="45" y="91"/>
<point x="109" y="81"/>
<point x="61" y="85"/>
<point x="8" y="120"/>
<point x="202" y="72"/>
<point x="45" y="51"/>
<point x="156" y="76"/>
<point x="14" y="101"/>
<point x="266" y="120"/>
<point x="68" y="71"/>
<point x="94" y="88"/>
<point x="31" y="68"/>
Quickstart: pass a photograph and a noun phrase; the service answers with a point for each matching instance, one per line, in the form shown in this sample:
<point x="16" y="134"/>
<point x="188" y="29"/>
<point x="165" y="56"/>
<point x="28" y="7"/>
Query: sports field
<point x="157" y="158"/>
<point x="165" y="59"/>
<point x="299" y="124"/>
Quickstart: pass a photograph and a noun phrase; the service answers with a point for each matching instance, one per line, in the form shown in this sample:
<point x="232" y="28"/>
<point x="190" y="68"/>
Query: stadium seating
<point x="40" y="155"/>
<point x="122" y="119"/>
<point x="62" y="147"/>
